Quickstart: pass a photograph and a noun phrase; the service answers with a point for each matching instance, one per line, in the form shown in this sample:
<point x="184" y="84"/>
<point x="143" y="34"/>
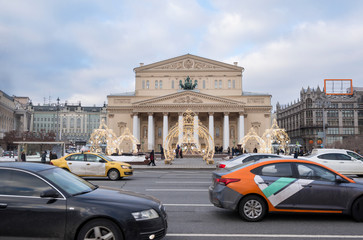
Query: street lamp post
<point x="57" y="135"/>
<point x="324" y="104"/>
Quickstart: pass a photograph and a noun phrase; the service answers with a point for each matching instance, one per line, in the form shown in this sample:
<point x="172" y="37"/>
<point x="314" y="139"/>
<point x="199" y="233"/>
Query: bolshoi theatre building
<point x="161" y="97"/>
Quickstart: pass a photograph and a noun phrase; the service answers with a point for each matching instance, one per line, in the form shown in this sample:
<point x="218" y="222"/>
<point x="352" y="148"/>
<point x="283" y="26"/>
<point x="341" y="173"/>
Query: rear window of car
<point x="242" y="165"/>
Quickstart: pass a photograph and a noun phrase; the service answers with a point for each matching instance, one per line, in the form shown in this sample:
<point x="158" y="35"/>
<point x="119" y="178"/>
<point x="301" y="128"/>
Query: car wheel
<point x="357" y="210"/>
<point x="252" y="208"/>
<point x="100" y="229"/>
<point x="113" y="174"/>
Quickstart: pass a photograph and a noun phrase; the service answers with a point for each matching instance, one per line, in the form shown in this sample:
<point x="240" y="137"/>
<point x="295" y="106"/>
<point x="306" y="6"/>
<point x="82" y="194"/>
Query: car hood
<point x="119" y="196"/>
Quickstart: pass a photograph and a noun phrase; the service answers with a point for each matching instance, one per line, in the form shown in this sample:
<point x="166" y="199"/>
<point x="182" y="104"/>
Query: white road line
<point x="188" y="205"/>
<point x="176" y="190"/>
<point x="265" y="236"/>
<point x="184" y="182"/>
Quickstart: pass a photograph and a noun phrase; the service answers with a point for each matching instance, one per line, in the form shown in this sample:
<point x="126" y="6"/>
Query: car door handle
<point x="264" y="183"/>
<point x="306" y="186"/>
<point x="88" y="164"/>
<point x="3" y="205"/>
<point x="70" y="163"/>
<point x="325" y="161"/>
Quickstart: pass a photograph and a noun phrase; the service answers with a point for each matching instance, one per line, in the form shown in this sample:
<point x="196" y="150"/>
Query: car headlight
<point x="124" y="167"/>
<point x="145" y="215"/>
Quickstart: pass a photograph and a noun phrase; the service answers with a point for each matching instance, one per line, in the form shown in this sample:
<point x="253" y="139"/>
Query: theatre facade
<point x="218" y="100"/>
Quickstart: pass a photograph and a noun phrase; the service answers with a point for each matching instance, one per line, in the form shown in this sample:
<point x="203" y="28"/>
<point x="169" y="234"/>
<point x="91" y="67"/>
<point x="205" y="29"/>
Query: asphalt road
<point x="192" y="217"/>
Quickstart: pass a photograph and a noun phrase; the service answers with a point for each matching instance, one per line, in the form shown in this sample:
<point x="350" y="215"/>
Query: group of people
<point x="43" y="156"/>
<point x="178" y="152"/>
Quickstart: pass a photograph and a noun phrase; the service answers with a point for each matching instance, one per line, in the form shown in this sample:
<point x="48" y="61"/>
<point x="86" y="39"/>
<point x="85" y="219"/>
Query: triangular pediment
<point x="187" y="98"/>
<point x="189" y="63"/>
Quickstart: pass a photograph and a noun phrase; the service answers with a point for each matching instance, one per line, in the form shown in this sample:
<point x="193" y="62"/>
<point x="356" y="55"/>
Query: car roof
<point x="30" y="166"/>
<point x="328" y="150"/>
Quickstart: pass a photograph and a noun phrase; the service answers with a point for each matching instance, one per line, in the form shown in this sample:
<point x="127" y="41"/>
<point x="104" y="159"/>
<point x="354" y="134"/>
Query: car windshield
<point x="67" y="181"/>
<point x="106" y="157"/>
<point x="355" y="155"/>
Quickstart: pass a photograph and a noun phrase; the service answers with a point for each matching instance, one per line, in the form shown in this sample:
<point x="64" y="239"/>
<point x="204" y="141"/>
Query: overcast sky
<point x="84" y="50"/>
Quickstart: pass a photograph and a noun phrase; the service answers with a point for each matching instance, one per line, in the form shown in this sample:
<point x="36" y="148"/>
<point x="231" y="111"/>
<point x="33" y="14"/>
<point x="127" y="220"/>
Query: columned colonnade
<point x="225" y="117"/>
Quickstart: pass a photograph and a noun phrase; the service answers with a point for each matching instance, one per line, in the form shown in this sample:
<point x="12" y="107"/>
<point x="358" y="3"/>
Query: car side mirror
<point x="50" y="193"/>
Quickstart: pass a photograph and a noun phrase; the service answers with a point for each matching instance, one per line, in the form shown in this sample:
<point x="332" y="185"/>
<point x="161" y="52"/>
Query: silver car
<point x="247" y="157"/>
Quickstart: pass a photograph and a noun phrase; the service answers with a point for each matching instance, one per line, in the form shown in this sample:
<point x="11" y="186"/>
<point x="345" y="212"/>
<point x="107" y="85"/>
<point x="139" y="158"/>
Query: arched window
<point x="229" y="84"/>
<point x="215" y="83"/>
<point x="64" y="122"/>
<point x="172" y="84"/>
<point x="143" y="84"/>
<point x="78" y="123"/>
<point x="309" y="103"/>
<point x="72" y="123"/>
<point x="220" y="83"/>
<point x="161" y="84"/>
<point x="147" y="84"/>
<point x="203" y="84"/>
<point x="156" y="84"/>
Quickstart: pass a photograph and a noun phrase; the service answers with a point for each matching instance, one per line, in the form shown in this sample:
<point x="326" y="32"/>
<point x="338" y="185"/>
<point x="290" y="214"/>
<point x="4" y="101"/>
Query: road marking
<point x="184" y="182"/>
<point x="188" y="205"/>
<point x="176" y="190"/>
<point x="265" y="236"/>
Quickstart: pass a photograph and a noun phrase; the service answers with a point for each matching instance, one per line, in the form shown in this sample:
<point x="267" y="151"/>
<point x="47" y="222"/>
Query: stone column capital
<point x="211" y="113"/>
<point x="165" y="113"/>
<point x="150" y="114"/>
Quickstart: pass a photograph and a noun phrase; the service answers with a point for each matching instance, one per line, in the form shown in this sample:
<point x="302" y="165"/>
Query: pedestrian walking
<point x="44" y="156"/>
<point x="181" y="153"/>
<point x="162" y="152"/>
<point x="295" y="154"/>
<point x="23" y="157"/>
<point x="152" y="158"/>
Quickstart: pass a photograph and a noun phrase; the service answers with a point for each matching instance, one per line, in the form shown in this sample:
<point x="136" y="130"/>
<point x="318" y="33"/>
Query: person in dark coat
<point x="152" y="158"/>
<point x="181" y="153"/>
<point x="295" y="154"/>
<point x="44" y="156"/>
<point x="23" y="157"/>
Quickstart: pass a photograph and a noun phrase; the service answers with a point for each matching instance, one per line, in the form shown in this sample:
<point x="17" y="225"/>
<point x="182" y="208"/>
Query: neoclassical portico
<point x="159" y="102"/>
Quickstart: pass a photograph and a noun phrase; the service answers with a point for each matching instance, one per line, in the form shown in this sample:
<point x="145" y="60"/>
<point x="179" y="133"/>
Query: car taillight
<point x="51" y="163"/>
<point x="226" y="181"/>
<point x="222" y="166"/>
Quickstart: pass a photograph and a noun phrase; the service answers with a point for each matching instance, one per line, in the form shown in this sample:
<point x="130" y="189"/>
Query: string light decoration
<point x="104" y="135"/>
<point x="189" y="143"/>
<point x="276" y="135"/>
<point x="252" y="135"/>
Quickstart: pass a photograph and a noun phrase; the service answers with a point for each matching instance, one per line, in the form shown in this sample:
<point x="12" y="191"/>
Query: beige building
<point x="218" y="100"/>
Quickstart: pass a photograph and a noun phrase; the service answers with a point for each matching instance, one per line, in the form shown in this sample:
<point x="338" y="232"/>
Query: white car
<point x="341" y="160"/>
<point x="247" y="157"/>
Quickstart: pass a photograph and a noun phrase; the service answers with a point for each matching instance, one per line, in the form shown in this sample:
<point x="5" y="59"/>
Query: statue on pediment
<point x="188" y="84"/>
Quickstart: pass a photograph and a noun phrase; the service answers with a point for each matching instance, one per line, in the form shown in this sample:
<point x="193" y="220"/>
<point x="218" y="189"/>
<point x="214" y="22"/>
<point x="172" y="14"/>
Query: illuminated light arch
<point x="189" y="144"/>
<point x="127" y="135"/>
<point x="252" y="135"/>
<point x="104" y="135"/>
<point x="278" y="135"/>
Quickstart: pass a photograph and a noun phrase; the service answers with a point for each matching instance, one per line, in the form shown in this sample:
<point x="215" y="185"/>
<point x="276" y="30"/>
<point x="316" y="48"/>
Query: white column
<point x="138" y="130"/>
<point x="135" y="126"/>
<point x="225" y="132"/>
<point x="180" y="122"/>
<point x="165" y="127"/>
<point x="196" y="128"/>
<point x="241" y="126"/>
<point x="150" y="134"/>
<point x="211" y="124"/>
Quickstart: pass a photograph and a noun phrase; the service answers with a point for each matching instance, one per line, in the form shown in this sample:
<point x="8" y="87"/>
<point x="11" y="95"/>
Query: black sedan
<point x="43" y="201"/>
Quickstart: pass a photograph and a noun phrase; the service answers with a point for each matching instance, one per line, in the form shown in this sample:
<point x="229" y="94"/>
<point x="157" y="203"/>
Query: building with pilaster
<point x="318" y="119"/>
<point x="218" y="99"/>
<point x="75" y="122"/>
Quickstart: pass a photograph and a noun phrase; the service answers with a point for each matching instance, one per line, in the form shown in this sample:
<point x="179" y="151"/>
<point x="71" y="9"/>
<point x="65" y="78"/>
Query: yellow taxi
<point x="89" y="164"/>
